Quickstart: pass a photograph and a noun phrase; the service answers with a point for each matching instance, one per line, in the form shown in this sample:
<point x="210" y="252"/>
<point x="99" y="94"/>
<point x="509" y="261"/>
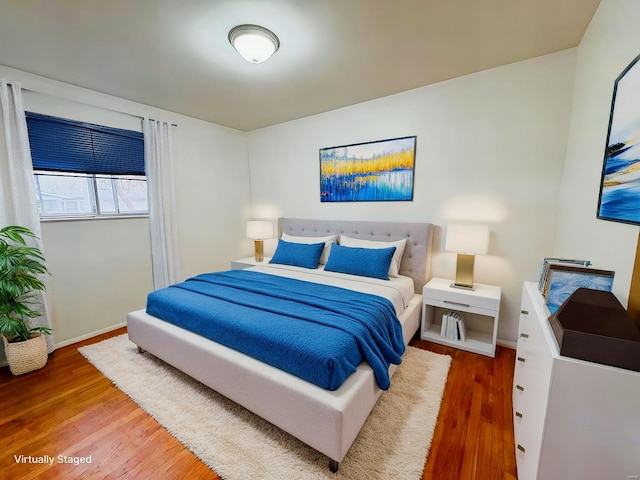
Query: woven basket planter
<point x="25" y="357"/>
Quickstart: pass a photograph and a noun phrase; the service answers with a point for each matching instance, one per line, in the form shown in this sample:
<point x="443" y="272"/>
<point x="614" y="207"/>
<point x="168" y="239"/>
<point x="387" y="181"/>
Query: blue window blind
<point x="62" y="145"/>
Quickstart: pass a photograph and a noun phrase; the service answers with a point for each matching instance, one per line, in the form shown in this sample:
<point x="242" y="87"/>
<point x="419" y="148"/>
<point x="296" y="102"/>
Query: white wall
<point x="490" y="149"/>
<point x="101" y="269"/>
<point x="609" y="45"/>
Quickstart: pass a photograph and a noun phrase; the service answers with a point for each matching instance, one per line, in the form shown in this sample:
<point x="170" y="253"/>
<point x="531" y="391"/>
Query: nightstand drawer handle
<point x="518" y="414"/>
<point x="520" y="387"/>
<point x="524" y="312"/>
<point x="457" y="303"/>
<point x="521" y="448"/>
<point x="520" y="359"/>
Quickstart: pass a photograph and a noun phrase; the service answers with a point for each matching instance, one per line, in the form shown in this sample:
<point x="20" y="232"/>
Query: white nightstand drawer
<point x="479" y="308"/>
<point x="483" y="296"/>
<point x="460" y="306"/>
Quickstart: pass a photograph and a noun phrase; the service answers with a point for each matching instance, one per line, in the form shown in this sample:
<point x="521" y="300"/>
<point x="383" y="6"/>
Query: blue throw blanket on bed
<point x="317" y="332"/>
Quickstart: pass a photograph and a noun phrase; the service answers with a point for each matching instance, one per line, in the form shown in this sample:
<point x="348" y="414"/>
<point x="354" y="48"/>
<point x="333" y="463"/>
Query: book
<point x="453" y="327"/>
<point x="443" y="327"/>
<point x="463" y="330"/>
<point x="450" y="325"/>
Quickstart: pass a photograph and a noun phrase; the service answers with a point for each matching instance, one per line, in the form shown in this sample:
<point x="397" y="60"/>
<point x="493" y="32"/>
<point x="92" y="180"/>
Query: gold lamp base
<point x="259" y="250"/>
<point x="464" y="272"/>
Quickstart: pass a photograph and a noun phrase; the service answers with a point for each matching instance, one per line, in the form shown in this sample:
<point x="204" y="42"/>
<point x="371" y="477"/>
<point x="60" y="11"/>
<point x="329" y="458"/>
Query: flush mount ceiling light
<point x="255" y="43"/>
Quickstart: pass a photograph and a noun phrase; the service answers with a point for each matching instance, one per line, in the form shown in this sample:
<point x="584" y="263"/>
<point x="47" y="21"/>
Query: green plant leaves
<point x="21" y="268"/>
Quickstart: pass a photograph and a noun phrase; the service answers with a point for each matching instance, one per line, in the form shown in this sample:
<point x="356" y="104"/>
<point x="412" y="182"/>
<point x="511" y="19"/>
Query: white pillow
<point x="394" y="267"/>
<point x="328" y="240"/>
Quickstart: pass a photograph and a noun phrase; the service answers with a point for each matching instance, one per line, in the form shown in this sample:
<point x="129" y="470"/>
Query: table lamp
<point x="467" y="241"/>
<point x="259" y="230"/>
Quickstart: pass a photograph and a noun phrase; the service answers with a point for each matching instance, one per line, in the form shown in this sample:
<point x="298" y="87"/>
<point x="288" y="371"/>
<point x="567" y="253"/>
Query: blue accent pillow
<point x="305" y="255"/>
<point x="366" y="262"/>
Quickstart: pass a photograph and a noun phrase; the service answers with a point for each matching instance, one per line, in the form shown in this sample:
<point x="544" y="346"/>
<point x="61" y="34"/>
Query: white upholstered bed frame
<point x="328" y="421"/>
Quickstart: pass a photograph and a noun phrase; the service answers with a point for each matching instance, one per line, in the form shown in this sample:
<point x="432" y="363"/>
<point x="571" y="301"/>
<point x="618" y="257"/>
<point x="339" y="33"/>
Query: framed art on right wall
<point x="619" y="199"/>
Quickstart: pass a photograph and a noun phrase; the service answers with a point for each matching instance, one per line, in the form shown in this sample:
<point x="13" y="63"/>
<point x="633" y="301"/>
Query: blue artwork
<point x="367" y="172"/>
<point x="620" y="187"/>
<point x="564" y="282"/>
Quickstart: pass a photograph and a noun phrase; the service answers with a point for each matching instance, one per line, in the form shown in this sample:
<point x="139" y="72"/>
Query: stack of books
<point x="453" y="326"/>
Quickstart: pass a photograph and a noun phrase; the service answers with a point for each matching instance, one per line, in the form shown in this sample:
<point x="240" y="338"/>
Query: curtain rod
<point x="142" y="118"/>
<point x="96" y="106"/>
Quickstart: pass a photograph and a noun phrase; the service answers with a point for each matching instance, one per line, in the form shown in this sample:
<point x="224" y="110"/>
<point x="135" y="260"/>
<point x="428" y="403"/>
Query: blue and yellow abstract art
<point x="620" y="187"/>
<point x="368" y="172"/>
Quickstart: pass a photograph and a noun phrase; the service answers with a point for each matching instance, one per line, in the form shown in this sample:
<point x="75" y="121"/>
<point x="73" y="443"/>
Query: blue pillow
<point x="366" y="262"/>
<point x="305" y="255"/>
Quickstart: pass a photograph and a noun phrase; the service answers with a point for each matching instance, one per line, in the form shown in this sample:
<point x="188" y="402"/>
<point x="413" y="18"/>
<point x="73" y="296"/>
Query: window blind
<point x="62" y="145"/>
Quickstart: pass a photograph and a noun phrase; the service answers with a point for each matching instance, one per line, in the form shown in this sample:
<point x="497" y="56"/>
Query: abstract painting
<point x="620" y="186"/>
<point x="564" y="280"/>
<point x="368" y="172"/>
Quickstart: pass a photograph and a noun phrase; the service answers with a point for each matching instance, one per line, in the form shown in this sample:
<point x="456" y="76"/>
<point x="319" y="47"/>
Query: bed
<point x="327" y="420"/>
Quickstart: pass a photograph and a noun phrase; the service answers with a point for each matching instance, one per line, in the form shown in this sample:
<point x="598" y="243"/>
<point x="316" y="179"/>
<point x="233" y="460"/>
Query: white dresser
<point x="573" y="419"/>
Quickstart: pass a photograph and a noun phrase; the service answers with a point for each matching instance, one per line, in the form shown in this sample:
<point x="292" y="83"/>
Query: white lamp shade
<point x="467" y="239"/>
<point x="259" y="229"/>
<point x="255" y="43"/>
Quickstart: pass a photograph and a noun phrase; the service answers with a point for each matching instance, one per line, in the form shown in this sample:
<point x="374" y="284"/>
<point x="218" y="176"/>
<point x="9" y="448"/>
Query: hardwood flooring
<point x="69" y="409"/>
<point x="473" y="439"/>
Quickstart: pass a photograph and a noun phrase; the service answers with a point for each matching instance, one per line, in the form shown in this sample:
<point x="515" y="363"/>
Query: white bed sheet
<point x="398" y="290"/>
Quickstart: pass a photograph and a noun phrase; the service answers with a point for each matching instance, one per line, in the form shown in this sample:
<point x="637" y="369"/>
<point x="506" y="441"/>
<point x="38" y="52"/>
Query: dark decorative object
<point x="592" y="325"/>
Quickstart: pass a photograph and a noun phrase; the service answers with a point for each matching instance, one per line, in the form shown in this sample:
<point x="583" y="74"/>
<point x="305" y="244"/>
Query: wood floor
<point x="69" y="409"/>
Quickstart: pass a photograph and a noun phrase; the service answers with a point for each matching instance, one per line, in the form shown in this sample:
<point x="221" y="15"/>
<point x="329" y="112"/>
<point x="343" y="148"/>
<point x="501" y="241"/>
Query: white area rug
<point x="238" y="445"/>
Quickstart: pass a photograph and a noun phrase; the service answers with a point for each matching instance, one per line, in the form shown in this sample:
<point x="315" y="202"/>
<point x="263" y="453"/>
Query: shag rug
<point x="238" y="445"/>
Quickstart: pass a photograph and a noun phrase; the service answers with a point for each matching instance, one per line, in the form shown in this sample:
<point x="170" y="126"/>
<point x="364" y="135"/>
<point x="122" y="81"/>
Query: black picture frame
<point x="619" y="197"/>
<point x="377" y="171"/>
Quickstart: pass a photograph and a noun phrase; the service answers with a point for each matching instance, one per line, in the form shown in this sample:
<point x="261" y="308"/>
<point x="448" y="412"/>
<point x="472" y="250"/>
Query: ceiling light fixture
<point x="255" y="43"/>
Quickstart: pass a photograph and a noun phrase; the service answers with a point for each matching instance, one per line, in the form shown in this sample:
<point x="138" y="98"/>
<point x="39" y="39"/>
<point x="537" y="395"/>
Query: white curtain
<point x="158" y="160"/>
<point x="17" y="188"/>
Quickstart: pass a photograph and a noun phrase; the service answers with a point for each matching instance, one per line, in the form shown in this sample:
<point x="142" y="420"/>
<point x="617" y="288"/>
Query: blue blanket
<point x="317" y="332"/>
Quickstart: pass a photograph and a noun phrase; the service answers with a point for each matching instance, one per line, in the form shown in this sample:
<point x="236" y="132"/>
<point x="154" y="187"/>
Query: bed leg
<point x="140" y="349"/>
<point x="333" y="465"/>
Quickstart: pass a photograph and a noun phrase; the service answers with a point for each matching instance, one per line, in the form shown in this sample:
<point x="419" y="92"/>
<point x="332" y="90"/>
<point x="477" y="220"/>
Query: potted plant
<point x="20" y="267"/>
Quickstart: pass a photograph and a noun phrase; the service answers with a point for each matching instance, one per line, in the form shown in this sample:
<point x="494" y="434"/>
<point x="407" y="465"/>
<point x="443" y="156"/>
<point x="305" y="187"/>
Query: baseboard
<point x="90" y="335"/>
<point x="4" y="363"/>
<point x="506" y="343"/>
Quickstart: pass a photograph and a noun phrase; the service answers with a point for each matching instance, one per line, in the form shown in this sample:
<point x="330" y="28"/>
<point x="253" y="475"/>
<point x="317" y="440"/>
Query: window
<point x="82" y="169"/>
<point x="75" y="194"/>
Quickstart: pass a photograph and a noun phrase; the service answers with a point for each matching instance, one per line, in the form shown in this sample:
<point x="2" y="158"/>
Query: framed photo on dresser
<point x="564" y="279"/>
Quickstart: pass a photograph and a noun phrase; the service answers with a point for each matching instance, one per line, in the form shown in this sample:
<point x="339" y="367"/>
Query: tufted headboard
<point x="416" y="260"/>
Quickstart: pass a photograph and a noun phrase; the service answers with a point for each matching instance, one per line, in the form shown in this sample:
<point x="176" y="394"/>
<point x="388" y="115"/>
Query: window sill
<point x="81" y="218"/>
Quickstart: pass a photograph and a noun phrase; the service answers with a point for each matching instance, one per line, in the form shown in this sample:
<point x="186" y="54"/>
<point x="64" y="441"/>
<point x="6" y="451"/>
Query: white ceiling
<point x="174" y="54"/>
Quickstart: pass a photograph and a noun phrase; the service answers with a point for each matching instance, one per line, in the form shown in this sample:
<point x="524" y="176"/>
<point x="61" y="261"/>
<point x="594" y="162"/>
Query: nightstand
<point x="480" y="308"/>
<point x="247" y="262"/>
